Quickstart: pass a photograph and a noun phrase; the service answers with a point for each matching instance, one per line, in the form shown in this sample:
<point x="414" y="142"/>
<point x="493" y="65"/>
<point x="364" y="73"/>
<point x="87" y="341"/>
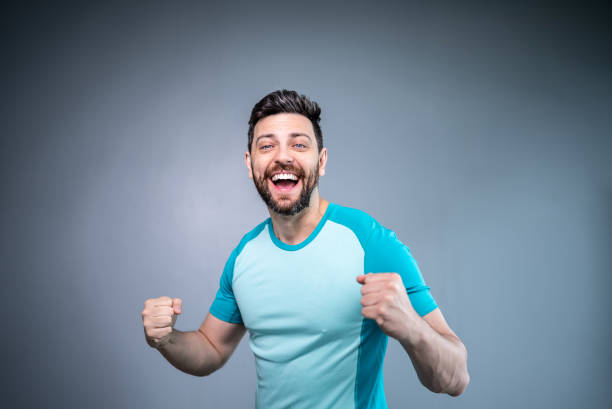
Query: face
<point x="284" y="162"/>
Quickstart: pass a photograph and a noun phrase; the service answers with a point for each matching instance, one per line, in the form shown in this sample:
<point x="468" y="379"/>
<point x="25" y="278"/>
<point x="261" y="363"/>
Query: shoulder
<point x="361" y="223"/>
<point x="371" y="233"/>
<point x="228" y="270"/>
<point x="256" y="231"/>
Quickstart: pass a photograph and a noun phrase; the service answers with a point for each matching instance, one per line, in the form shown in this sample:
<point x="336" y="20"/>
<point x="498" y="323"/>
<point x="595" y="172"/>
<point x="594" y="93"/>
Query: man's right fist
<point x="158" y="318"/>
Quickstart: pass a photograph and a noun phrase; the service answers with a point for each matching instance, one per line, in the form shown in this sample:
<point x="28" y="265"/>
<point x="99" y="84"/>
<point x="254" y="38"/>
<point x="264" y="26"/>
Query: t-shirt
<point x="301" y="306"/>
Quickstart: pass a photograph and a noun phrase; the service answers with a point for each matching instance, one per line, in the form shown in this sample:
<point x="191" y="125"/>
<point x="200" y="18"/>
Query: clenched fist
<point x="158" y="318"/>
<point x="384" y="299"/>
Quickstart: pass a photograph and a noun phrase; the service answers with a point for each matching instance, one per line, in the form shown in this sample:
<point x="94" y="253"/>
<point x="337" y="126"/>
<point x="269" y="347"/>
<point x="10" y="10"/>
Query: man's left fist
<point x="384" y="299"/>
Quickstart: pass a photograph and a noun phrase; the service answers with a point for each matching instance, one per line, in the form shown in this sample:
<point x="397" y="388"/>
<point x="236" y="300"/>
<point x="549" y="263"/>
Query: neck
<point x="295" y="229"/>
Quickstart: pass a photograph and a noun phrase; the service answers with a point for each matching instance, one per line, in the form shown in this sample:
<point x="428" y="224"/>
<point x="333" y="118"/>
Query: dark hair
<point x="285" y="101"/>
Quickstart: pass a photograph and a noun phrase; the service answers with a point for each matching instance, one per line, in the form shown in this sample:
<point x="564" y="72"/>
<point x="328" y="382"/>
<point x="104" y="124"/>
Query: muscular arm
<point x="437" y="354"/>
<point x="202" y="352"/>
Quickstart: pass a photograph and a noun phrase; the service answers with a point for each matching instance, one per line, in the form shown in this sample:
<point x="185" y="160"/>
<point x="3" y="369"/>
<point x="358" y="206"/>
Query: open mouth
<point x="285" y="181"/>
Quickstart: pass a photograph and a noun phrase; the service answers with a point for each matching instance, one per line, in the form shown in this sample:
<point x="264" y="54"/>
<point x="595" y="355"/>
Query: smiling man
<point x="320" y="287"/>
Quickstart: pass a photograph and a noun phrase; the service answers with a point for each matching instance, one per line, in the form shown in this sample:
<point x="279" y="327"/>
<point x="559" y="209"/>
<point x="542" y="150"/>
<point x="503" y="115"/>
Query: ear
<point x="247" y="162"/>
<point x="322" y="161"/>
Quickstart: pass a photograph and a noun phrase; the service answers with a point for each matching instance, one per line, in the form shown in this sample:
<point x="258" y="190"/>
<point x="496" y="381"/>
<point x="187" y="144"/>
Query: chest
<point x="309" y="291"/>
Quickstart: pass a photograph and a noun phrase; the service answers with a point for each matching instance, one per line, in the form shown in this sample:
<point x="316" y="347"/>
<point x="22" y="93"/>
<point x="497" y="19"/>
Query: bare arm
<point x="198" y="352"/>
<point x="437" y="354"/>
<point x="202" y="352"/>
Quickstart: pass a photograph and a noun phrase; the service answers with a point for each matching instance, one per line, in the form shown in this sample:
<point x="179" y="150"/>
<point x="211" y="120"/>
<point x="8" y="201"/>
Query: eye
<point x="265" y="147"/>
<point x="300" y="145"/>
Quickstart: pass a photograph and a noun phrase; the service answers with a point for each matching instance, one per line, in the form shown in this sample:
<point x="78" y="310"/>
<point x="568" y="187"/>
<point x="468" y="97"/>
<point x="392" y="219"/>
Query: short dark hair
<point x="285" y="101"/>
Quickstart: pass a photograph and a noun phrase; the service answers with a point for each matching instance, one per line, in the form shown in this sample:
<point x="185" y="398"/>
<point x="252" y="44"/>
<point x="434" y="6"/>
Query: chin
<point x="288" y="209"/>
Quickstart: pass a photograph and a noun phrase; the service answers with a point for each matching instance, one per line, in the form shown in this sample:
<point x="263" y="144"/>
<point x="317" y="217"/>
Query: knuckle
<point x="393" y="285"/>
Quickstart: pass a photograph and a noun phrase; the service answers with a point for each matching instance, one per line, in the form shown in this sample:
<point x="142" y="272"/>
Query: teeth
<point x="280" y="176"/>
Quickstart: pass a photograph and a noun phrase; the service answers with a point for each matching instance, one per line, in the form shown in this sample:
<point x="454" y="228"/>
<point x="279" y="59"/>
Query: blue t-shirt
<point x="301" y="306"/>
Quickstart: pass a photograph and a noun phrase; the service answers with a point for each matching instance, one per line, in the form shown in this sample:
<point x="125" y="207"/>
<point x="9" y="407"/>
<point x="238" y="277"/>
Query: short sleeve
<point x="385" y="253"/>
<point x="224" y="307"/>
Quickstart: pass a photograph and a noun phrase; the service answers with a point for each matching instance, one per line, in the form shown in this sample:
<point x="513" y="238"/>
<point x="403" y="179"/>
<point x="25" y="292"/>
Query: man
<point x="319" y="287"/>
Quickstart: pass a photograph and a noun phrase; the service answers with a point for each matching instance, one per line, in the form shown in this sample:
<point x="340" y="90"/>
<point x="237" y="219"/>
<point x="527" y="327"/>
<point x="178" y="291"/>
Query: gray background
<point x="480" y="133"/>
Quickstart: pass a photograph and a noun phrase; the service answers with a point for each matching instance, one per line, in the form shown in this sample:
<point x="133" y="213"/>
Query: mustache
<point x="297" y="171"/>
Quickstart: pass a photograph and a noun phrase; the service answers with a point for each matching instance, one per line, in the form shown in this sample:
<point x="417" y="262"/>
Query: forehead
<point x="284" y="123"/>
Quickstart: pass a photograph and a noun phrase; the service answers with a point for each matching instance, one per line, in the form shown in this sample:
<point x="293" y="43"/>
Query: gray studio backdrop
<point x="480" y="134"/>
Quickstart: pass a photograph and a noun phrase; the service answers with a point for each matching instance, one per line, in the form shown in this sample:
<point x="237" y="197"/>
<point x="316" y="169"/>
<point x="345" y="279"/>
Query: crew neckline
<point x="311" y="237"/>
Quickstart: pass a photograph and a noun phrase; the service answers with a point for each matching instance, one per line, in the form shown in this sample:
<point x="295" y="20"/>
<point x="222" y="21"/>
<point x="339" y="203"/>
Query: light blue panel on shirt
<point x="303" y="312"/>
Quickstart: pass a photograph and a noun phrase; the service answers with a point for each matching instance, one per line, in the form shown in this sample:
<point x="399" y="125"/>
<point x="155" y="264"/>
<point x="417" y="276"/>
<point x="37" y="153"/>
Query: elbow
<point x="458" y="382"/>
<point x="454" y="390"/>
<point x="201" y="374"/>
<point x="452" y="378"/>
<point x="461" y="386"/>
<point x="209" y="369"/>
<point x="464" y="379"/>
<point x="211" y="360"/>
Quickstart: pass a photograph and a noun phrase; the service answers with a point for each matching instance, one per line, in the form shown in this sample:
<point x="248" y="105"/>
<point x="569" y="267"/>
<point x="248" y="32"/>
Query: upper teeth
<point x="283" y="176"/>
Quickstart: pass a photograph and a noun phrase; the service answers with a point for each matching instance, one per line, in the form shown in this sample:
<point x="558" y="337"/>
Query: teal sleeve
<point x="385" y="253"/>
<point x="224" y="307"/>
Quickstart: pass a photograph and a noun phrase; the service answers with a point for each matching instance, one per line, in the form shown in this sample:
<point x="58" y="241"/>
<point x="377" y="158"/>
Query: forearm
<point x="440" y="361"/>
<point x="191" y="352"/>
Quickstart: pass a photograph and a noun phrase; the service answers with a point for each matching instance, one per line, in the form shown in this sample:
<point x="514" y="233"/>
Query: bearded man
<point x="320" y="287"/>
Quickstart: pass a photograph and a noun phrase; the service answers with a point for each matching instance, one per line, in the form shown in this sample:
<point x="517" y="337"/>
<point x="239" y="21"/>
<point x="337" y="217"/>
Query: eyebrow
<point x="291" y="135"/>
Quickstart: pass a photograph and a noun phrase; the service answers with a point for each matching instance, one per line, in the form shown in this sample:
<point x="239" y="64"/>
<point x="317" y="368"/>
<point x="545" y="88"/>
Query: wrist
<point x="169" y="339"/>
<point x="414" y="335"/>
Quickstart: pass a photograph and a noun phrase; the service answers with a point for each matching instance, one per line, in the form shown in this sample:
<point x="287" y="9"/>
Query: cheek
<point x="257" y="169"/>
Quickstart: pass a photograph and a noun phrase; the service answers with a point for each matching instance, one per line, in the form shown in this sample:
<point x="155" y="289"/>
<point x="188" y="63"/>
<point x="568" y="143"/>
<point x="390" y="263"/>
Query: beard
<point x="309" y="182"/>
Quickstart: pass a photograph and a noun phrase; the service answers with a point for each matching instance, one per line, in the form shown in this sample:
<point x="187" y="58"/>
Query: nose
<point x="283" y="155"/>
